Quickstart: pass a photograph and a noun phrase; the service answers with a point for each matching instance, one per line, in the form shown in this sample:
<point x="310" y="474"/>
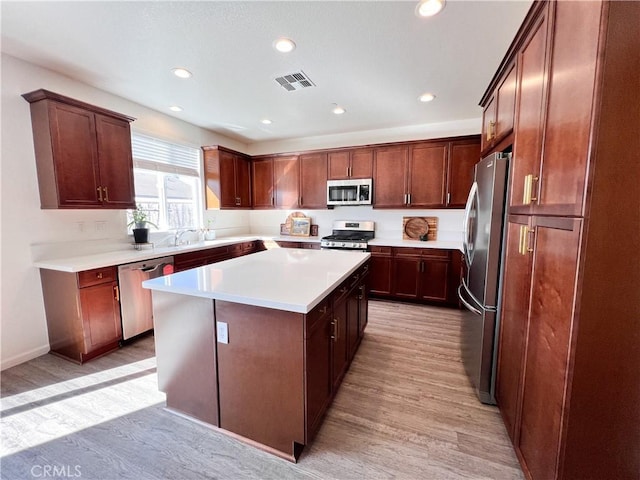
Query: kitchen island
<point x="258" y="345"/>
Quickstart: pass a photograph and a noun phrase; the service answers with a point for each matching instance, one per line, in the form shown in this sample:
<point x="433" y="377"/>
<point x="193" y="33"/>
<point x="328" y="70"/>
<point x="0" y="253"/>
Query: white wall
<point x="26" y="228"/>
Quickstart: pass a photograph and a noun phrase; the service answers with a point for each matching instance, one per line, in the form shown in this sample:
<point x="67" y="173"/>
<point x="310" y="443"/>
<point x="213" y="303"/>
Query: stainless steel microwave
<point x="349" y="192"/>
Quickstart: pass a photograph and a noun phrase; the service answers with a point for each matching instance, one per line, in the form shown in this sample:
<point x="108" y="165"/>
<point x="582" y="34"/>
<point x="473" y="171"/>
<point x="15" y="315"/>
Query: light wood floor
<point x="405" y="410"/>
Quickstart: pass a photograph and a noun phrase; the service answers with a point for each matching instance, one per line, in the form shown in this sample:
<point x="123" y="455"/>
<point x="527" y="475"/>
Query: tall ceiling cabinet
<point x="568" y="383"/>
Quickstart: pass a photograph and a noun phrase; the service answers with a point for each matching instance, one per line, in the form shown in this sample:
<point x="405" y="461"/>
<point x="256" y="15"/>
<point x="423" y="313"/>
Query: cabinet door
<point x="100" y="316"/>
<point x="488" y="124"/>
<point x="115" y="162"/>
<point x="390" y="177"/>
<point x="462" y="159"/>
<point x="338" y="165"/>
<point x="434" y="279"/>
<point x="73" y="134"/>
<point x="243" y="182"/>
<point x="286" y="179"/>
<point x="313" y="180"/>
<point x="427" y="172"/>
<point x="406" y="275"/>
<point x="362" y="163"/>
<point x="340" y="351"/>
<point x="363" y="298"/>
<point x="513" y="323"/>
<point x="380" y="276"/>
<point x="528" y="131"/>
<point x="569" y="108"/>
<point x="228" y="195"/>
<point x="505" y="110"/>
<point x="318" y="372"/>
<point x="262" y="176"/>
<point x="555" y="259"/>
<point x="353" y="328"/>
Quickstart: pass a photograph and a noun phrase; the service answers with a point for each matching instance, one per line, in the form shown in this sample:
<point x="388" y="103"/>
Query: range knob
<point x="343" y="244"/>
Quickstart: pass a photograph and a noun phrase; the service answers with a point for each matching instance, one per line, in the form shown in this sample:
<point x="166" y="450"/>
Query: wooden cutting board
<point x="414" y="227"/>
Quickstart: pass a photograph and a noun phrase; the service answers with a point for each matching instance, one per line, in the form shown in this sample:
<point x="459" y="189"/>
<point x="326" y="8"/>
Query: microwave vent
<point x="295" y="81"/>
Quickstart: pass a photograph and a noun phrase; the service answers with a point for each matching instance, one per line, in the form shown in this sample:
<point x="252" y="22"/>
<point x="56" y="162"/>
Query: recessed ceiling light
<point x="266" y="121"/>
<point x="182" y="72"/>
<point x="284" y="45"/>
<point x="338" y="110"/>
<point x="175" y="108"/>
<point x="426" y="97"/>
<point x="428" y="8"/>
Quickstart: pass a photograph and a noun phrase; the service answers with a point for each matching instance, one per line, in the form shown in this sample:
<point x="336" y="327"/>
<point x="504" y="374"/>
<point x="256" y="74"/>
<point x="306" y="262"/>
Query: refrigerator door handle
<point x="464" y="301"/>
<point x="466" y="243"/>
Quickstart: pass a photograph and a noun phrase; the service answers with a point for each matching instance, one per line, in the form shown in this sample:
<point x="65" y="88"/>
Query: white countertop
<point x="294" y="280"/>
<point x="121" y="257"/>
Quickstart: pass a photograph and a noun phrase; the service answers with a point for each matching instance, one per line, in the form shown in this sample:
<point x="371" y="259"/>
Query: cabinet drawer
<point x="97" y="276"/>
<point x="318" y="312"/>
<point x="407" y="251"/>
<point x="436" y="253"/>
<point x="380" y="250"/>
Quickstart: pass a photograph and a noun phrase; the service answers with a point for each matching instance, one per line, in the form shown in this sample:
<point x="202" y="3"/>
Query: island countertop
<point x="295" y="280"/>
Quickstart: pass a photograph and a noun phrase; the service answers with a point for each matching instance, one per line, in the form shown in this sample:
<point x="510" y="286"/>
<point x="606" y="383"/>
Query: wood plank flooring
<point x="405" y="411"/>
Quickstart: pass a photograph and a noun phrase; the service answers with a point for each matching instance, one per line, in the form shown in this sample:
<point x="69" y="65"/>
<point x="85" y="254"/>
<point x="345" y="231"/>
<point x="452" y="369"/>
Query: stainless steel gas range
<point x="349" y="235"/>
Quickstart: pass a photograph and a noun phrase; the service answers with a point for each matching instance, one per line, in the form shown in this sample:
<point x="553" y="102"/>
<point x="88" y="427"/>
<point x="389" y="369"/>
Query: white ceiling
<point x="374" y="58"/>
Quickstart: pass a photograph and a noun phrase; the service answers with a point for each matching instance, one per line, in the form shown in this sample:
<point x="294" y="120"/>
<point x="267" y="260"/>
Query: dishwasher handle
<point x="150" y="269"/>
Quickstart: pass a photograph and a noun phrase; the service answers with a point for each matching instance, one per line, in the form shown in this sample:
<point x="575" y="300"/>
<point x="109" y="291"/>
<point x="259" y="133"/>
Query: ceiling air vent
<point x="295" y="81"/>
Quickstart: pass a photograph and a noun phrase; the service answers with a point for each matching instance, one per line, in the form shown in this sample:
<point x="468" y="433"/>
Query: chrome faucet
<point x="178" y="235"/>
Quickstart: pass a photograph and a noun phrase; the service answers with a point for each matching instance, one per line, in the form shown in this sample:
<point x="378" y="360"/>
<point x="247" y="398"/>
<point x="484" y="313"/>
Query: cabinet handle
<point x="300" y="201"/>
<point x="527" y="195"/>
<point x="421" y="266"/>
<point x="271" y="201"/>
<point x="324" y="309"/>
<point x="408" y="199"/>
<point x="448" y="198"/>
<point x="343" y="289"/>
<point x="116" y="293"/>
<point x="525" y="240"/>
<point x="99" y="193"/>
<point x="333" y="329"/>
<point x="99" y="275"/>
<point x="491" y="130"/>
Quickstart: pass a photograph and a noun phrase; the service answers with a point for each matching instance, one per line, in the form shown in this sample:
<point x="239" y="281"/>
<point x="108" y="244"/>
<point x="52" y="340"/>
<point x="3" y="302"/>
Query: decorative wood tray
<point x="415" y="227"/>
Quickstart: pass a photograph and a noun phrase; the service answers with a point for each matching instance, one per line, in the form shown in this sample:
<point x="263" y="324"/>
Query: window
<point x="167" y="182"/>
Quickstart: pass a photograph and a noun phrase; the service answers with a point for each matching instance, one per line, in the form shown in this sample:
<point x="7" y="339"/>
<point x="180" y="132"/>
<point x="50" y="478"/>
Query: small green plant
<point x="140" y="218"/>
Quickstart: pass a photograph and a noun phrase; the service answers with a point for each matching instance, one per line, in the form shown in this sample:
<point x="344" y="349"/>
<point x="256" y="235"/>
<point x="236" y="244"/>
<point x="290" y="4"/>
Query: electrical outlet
<point x="223" y="332"/>
<point x="101" y="226"/>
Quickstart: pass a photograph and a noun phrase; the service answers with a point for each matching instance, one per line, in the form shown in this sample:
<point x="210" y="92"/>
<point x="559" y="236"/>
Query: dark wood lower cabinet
<point x="83" y="312"/>
<point x="415" y="274"/>
<point x="200" y="258"/>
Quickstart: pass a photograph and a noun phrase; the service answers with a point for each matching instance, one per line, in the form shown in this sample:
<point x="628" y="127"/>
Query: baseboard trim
<point x="24" y="357"/>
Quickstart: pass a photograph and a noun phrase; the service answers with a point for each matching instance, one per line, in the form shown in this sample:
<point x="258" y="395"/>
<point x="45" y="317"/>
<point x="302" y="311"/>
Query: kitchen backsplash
<point x="388" y="222"/>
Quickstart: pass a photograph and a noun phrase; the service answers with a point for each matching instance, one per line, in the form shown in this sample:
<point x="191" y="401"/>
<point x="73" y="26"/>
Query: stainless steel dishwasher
<point x="135" y="301"/>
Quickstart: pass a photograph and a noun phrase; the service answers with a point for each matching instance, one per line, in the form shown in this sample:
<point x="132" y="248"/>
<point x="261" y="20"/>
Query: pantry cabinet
<point x="227" y="178"/>
<point x="568" y="328"/>
<point x="83" y="153"/>
<point x="83" y="312"/>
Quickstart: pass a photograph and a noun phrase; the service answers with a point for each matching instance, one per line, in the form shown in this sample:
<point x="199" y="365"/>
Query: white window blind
<point x="154" y="154"/>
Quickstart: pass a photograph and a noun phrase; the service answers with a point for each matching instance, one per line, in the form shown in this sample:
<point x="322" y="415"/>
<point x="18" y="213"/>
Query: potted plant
<point x="140" y="231"/>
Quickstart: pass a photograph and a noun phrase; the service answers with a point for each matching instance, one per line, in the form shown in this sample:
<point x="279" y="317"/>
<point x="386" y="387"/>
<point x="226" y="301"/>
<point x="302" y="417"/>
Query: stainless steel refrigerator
<point x="484" y="227"/>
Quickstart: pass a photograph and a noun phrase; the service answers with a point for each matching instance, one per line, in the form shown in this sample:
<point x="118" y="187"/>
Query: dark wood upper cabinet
<point x="286" y="176"/>
<point x="262" y="193"/>
<point x="227" y="178"/>
<point x="352" y="163"/>
<point x="463" y="157"/>
<point x="83" y="153"/>
<point x="390" y="168"/>
<point x="527" y="146"/>
<point x="499" y="110"/>
<point x="427" y="175"/>
<point x="313" y="180"/>
<point x="430" y="174"/>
